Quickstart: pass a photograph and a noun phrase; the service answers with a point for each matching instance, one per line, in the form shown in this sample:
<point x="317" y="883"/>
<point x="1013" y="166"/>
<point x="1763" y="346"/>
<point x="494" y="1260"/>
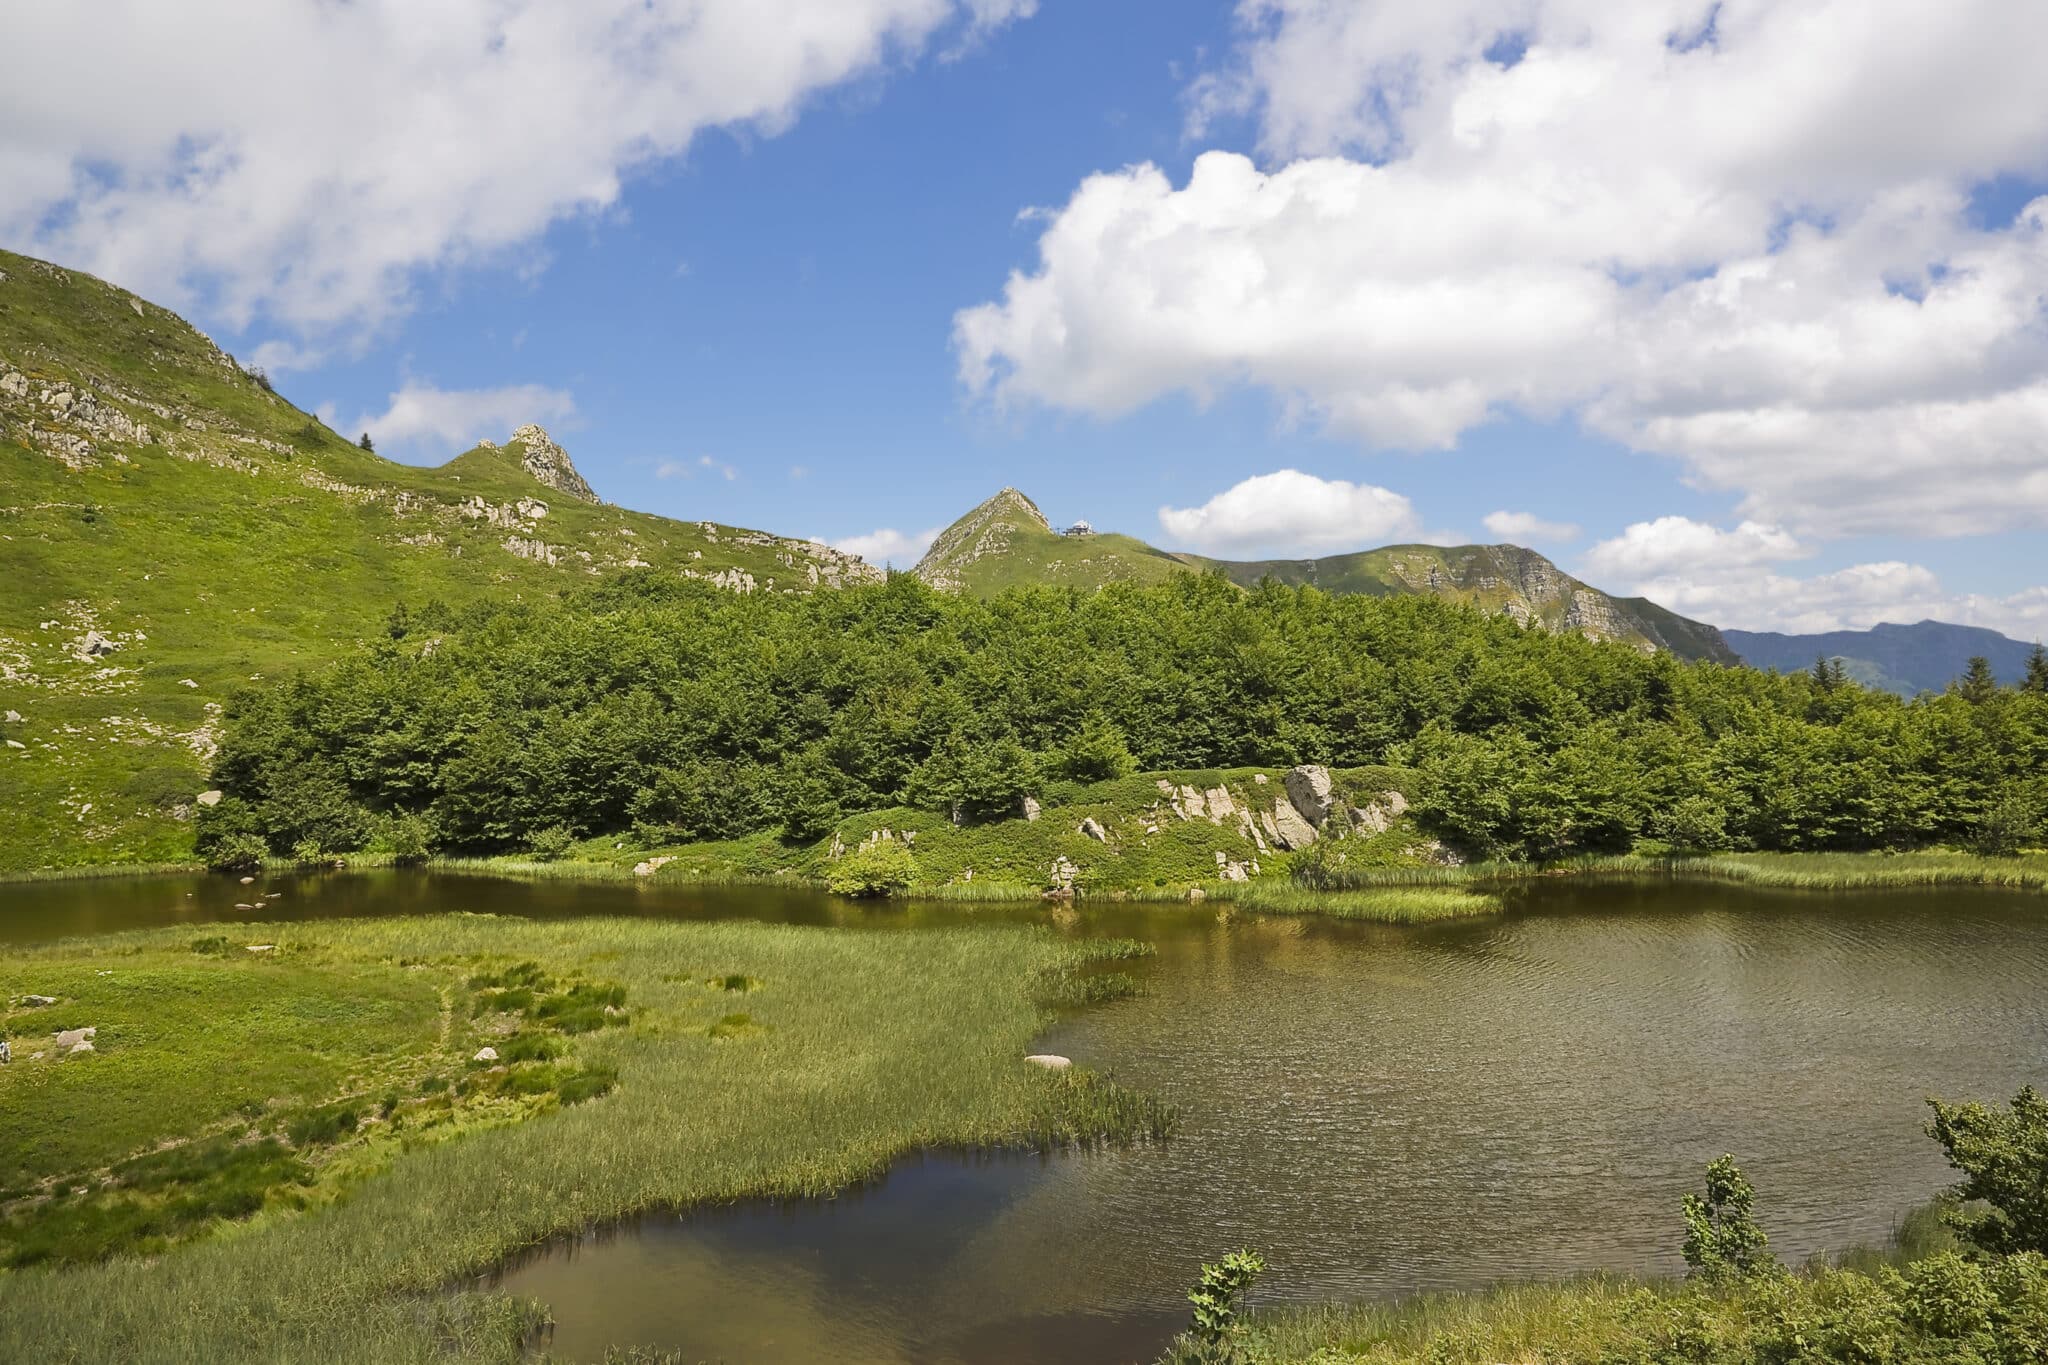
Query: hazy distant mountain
<point x="1007" y="541"/>
<point x="1902" y="659"/>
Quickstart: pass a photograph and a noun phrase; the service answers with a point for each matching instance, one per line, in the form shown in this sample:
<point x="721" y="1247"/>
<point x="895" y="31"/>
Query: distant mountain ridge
<point x="1007" y="541"/>
<point x="1923" y="657"/>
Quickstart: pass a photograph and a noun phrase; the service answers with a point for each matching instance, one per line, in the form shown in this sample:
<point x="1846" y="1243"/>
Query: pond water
<point x="1378" y="1110"/>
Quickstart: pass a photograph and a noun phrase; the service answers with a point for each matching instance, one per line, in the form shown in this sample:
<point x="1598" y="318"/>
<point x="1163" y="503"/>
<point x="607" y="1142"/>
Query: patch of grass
<point x="868" y="1046"/>
<point x="1386" y="905"/>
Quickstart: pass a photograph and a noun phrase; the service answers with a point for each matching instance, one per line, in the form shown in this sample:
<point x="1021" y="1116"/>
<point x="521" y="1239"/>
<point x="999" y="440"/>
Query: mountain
<point x="1007" y="541"/>
<point x="1924" y="657"/>
<point x="171" y="528"/>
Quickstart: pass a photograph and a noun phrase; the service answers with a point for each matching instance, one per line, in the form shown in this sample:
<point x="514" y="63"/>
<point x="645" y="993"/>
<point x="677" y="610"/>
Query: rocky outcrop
<point x="1308" y="790"/>
<point x="550" y="464"/>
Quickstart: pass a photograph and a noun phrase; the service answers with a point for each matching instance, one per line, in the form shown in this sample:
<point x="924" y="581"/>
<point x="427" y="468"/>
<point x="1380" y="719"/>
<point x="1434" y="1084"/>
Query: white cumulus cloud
<point x="1739" y="234"/>
<point x="301" y="160"/>
<point x="1289" y="512"/>
<point x="889" y="547"/>
<point x="422" y="416"/>
<point x="1525" y="526"/>
<point x="1735" y="578"/>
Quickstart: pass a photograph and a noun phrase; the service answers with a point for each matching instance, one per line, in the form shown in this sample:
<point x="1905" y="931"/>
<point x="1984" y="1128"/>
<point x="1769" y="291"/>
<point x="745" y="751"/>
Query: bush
<point x="239" y="854"/>
<point x="409" y="838"/>
<point x="164" y="785"/>
<point x="1218" y="1295"/>
<point x="878" y="870"/>
<point x="552" y="843"/>
<point x="307" y="852"/>
<point x="2003" y="1197"/>
<point x="1721" y="1237"/>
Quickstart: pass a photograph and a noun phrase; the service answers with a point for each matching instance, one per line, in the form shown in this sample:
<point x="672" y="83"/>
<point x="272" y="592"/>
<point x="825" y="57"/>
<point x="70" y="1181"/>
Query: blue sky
<point x="744" y="307"/>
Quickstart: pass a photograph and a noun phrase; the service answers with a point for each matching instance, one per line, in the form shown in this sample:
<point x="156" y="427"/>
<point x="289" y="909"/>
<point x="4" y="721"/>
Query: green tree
<point x="2036" y="680"/>
<point x="1721" y="1235"/>
<point x="1095" y="753"/>
<point x="365" y="443"/>
<point x="1978" y="683"/>
<point x="2003" y="1197"/>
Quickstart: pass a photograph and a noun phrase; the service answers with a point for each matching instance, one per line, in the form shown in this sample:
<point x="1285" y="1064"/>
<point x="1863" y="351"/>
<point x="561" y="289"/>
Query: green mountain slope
<point x="1007" y="541"/>
<point x="170" y="528"/>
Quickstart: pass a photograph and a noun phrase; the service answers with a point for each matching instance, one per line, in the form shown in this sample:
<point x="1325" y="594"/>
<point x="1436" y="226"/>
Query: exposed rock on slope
<point x="549" y="463"/>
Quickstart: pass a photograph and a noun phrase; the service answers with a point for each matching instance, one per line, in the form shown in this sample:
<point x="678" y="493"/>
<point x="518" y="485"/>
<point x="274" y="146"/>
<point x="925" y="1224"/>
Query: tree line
<point x="670" y="710"/>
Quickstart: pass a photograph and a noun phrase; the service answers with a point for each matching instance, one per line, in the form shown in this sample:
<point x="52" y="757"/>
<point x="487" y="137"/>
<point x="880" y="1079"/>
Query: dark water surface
<point x="1378" y="1110"/>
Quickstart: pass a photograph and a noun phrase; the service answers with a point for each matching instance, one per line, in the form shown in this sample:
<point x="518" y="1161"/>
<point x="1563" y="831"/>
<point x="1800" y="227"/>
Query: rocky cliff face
<point x="549" y="463"/>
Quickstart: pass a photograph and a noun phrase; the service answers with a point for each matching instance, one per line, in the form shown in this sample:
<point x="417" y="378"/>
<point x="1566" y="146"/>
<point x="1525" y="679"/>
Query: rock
<point x="16" y="744"/>
<point x="260" y="947"/>
<point x="1032" y="810"/>
<point x="1064" y="874"/>
<point x="1235" y="872"/>
<point x="485" y="1054"/>
<point x="36" y="1002"/>
<point x="14" y="717"/>
<point x="1196" y="893"/>
<point x="1308" y="790"/>
<point x="1094" y="830"/>
<point x="209" y="798"/>
<point x="1051" y="1061"/>
<point x="1380" y="813"/>
<point x="93" y="645"/>
<point x="1221" y="807"/>
<point x="75" y="1040"/>
<point x="550" y="464"/>
<point x="187" y="682"/>
<point x="82" y="1047"/>
<point x="1259" y="778"/>
<point x="651" y="866"/>
<point x="248" y="881"/>
<point x="1289" y="829"/>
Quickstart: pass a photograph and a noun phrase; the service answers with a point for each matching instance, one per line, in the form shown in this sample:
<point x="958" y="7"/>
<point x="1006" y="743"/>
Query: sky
<point x="1742" y="306"/>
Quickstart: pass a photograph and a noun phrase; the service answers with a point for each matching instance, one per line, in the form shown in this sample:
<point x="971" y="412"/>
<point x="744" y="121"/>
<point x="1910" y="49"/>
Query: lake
<point x="1378" y="1110"/>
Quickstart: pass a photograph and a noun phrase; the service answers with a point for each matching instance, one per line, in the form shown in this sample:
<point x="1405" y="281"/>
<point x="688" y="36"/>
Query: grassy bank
<point x="752" y="1060"/>
<point x="1916" y="1299"/>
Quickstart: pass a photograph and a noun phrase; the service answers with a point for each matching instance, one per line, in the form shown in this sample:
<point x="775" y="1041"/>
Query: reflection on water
<point x="1378" y="1110"/>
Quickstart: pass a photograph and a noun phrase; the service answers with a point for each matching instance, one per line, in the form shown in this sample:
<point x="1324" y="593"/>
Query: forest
<point x="667" y="711"/>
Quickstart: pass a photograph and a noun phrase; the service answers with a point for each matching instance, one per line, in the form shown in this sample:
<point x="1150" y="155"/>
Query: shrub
<point x="408" y="837"/>
<point x="1218" y="1295"/>
<point x="2003" y="1158"/>
<point x="879" y="870"/>
<point x="239" y="854"/>
<point x="307" y="852"/>
<point x="552" y="843"/>
<point x="1721" y="1237"/>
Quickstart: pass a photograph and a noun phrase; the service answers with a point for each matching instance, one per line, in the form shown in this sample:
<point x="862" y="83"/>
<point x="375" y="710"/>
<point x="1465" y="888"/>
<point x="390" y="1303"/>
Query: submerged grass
<point x="855" y="1050"/>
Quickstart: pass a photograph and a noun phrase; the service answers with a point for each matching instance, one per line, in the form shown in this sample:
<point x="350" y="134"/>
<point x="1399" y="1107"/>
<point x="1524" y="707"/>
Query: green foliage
<point x="880" y="869"/>
<point x="1218" y="1295"/>
<point x="364" y="443"/>
<point x="307" y="852"/>
<point x="1721" y="1234"/>
<point x="238" y="854"/>
<point x="2003" y="1197"/>
<point x="408" y="837"/>
<point x="682" y="714"/>
<point x="552" y="843"/>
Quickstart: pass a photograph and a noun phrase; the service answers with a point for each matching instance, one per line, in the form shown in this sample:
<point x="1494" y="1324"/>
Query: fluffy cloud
<point x="1735" y="233"/>
<point x="889" y="547"/>
<point x="301" y="160"/>
<point x="423" y="417"/>
<point x="1526" y="526"/>
<point x="1733" y="578"/>
<point x="690" y="469"/>
<point x="1291" y="512"/>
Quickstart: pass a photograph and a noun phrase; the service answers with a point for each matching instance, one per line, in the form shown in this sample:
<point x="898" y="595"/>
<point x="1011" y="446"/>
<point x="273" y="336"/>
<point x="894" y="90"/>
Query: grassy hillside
<point x="170" y="529"/>
<point x="1006" y="542"/>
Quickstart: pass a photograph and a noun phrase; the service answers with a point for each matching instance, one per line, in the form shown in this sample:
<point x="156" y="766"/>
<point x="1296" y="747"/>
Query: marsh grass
<point x="860" y="1049"/>
<point x="1386" y="905"/>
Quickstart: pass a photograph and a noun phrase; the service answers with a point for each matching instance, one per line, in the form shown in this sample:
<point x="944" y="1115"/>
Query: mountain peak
<point x="987" y="530"/>
<point x="549" y="464"/>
